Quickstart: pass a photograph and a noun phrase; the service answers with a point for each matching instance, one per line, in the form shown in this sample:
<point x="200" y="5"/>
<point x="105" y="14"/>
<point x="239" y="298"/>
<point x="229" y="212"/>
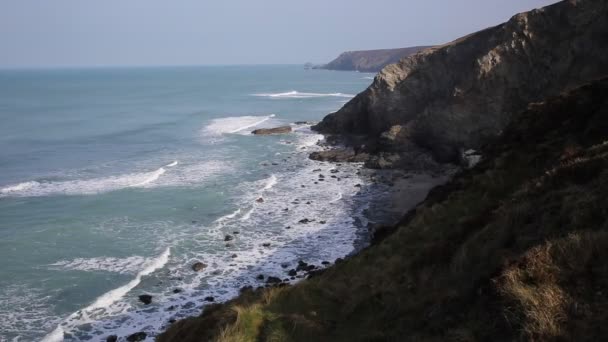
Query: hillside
<point x="369" y="60"/>
<point x="510" y="249"/>
<point x="452" y="97"/>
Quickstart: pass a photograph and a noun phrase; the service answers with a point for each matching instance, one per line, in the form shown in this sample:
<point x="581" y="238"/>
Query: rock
<point x="292" y="273"/>
<point x="273" y="280"/>
<point x="198" y="266"/>
<point x="172" y="308"/>
<point x="304" y="221"/>
<point x="209" y="299"/>
<point x="321" y="176"/>
<point x="325" y="262"/>
<point x="266" y="244"/>
<point x="112" y="338"/>
<point x="177" y="290"/>
<point x="246" y="288"/>
<point x="455" y="96"/>
<point x="260" y="277"/>
<point x="357" y="185"/>
<point x="236" y="232"/>
<point x="276" y="130"/>
<point x="369" y="60"/>
<point x="228" y="237"/>
<point x="138" y="336"/>
<point x="260" y="200"/>
<point x="322" y="222"/>
<point x="234" y="256"/>
<point x="146" y="299"/>
<point x="288" y="227"/>
<point x="339" y="155"/>
<point x="171" y="320"/>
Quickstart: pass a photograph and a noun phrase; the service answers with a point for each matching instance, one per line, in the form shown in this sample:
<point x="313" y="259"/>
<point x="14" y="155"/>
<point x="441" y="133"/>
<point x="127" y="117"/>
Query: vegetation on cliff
<point x="513" y="248"/>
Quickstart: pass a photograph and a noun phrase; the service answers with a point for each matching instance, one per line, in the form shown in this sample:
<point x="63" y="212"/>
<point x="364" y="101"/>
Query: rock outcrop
<point x="369" y="60"/>
<point x="450" y="98"/>
<point x="275" y="130"/>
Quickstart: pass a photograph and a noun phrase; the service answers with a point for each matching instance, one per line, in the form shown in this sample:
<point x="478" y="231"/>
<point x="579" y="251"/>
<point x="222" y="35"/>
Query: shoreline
<point x="395" y="191"/>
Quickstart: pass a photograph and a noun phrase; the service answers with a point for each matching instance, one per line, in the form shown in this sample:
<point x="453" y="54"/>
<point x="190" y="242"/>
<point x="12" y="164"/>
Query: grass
<point x="512" y="249"/>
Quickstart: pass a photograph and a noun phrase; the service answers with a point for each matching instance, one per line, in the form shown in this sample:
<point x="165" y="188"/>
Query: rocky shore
<point x="510" y="248"/>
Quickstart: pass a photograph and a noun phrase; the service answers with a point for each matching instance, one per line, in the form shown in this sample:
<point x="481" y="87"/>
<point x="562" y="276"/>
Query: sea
<point x="114" y="182"/>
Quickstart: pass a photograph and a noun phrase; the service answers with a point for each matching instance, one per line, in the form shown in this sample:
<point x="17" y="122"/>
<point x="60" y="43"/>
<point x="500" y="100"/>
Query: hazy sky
<point x="185" y="32"/>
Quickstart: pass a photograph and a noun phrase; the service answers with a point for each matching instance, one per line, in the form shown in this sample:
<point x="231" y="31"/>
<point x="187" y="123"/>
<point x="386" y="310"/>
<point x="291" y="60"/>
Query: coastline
<point x="389" y="194"/>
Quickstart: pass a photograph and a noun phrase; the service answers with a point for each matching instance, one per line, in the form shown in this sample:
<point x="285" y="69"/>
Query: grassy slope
<point x="513" y="248"/>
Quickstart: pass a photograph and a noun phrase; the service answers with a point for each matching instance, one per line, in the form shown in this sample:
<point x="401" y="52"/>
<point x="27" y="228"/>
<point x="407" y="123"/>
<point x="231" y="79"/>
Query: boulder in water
<point x="198" y="266"/>
<point x="275" y="130"/>
<point x="146" y="299"/>
<point x="138" y="336"/>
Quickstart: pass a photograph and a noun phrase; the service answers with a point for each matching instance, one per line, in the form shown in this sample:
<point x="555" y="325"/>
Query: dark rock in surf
<point x="275" y="130"/>
<point x="112" y="338"/>
<point x="146" y="299"/>
<point x="138" y="336"/>
<point x="198" y="266"/>
<point x="273" y="280"/>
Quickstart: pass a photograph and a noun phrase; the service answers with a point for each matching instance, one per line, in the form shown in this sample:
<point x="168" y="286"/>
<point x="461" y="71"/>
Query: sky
<point x="78" y="33"/>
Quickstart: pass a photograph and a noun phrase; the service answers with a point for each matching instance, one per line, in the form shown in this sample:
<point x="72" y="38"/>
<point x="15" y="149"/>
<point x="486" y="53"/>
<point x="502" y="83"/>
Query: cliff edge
<point x="452" y="97"/>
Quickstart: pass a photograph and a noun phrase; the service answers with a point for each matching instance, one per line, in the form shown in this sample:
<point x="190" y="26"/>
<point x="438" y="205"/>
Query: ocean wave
<point x="271" y="181"/>
<point x="187" y="175"/>
<point x="236" y="124"/>
<point x="117" y="265"/>
<point x="301" y="95"/>
<point x="102" y="302"/>
<point x="82" y="186"/>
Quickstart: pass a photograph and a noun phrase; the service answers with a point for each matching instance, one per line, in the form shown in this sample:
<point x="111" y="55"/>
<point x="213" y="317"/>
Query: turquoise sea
<point x="114" y="181"/>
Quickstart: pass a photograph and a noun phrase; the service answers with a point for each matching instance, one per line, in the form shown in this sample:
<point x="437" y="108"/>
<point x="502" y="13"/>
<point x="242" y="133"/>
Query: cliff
<point x="452" y="97"/>
<point x="369" y="60"/>
<point x="512" y="249"/>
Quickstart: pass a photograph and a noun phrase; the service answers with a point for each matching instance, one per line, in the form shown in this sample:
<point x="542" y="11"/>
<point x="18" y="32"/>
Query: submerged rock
<point x="112" y="338"/>
<point x="228" y="238"/>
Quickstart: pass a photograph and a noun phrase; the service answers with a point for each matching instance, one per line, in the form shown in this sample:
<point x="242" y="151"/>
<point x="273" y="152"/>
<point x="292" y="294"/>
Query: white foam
<point x="84" y="315"/>
<point x="188" y="175"/>
<point x="247" y="215"/>
<point x="109" y="264"/>
<point x="237" y="124"/>
<point x="151" y="178"/>
<point x="172" y="164"/>
<point x="301" y="95"/>
<point x="272" y="181"/>
<point x="368" y="77"/>
<point x="19" y="187"/>
<point x="229" y="216"/>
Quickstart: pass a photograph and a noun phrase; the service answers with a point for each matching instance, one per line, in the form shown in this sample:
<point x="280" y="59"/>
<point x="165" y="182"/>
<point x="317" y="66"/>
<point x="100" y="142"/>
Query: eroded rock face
<point x="450" y="98"/>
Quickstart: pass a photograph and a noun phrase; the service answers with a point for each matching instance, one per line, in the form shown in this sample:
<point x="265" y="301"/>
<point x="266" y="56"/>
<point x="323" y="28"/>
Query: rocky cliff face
<point x="451" y="97"/>
<point x="369" y="60"/>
